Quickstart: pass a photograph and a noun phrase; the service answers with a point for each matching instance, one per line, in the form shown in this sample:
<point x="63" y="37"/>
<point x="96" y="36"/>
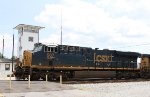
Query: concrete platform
<point x="36" y="86"/>
<point x="39" y="89"/>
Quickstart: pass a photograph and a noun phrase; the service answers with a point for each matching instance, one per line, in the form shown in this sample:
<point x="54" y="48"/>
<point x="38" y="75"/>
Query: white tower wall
<point x="28" y="35"/>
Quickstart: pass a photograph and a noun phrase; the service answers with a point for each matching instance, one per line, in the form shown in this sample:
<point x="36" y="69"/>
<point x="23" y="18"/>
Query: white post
<point x="61" y="80"/>
<point x="29" y="82"/>
<point x="1" y="95"/>
<point x="46" y="81"/>
<point x="10" y="82"/>
<point x="46" y="78"/>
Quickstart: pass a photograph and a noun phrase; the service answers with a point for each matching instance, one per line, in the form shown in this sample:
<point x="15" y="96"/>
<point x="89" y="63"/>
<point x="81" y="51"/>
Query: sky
<point x="122" y="25"/>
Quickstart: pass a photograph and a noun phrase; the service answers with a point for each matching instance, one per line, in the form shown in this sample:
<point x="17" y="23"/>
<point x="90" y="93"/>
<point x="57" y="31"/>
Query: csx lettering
<point x="103" y="58"/>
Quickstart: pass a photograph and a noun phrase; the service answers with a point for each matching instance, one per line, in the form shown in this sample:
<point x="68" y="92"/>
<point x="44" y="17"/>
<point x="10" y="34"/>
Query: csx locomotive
<point x="76" y="62"/>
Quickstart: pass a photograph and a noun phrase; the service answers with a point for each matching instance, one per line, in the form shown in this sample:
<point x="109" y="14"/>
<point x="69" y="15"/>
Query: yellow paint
<point x="103" y="58"/>
<point x="27" y="58"/>
<point x="145" y="63"/>
<point x="84" y="88"/>
<point x="81" y="68"/>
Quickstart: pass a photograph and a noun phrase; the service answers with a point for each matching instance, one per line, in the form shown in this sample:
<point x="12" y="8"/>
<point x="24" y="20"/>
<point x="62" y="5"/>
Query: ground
<point x="54" y="89"/>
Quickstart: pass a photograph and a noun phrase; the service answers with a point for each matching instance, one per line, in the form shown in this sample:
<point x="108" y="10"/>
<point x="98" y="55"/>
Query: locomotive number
<point x="103" y="58"/>
<point x="50" y="55"/>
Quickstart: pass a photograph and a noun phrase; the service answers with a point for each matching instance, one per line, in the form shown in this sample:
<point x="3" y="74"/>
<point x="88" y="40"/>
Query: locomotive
<point x="81" y="62"/>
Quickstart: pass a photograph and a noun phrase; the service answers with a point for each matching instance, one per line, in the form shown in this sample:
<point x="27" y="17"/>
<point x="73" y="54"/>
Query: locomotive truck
<point x="81" y="62"/>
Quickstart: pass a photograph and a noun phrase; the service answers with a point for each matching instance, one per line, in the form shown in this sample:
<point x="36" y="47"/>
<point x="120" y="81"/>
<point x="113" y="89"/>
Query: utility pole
<point x="3" y="48"/>
<point x="13" y="54"/>
<point x="61" y="28"/>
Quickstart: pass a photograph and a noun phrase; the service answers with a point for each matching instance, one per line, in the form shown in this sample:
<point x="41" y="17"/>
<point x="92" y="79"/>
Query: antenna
<point x="3" y="48"/>
<point x="13" y="53"/>
<point x="61" y="29"/>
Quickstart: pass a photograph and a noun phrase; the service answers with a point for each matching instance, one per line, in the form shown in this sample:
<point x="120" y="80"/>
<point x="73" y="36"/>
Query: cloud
<point x="101" y="23"/>
<point x="119" y="6"/>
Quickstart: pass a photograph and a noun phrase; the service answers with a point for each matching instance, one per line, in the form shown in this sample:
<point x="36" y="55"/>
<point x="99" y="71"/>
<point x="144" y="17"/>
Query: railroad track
<point x="91" y="81"/>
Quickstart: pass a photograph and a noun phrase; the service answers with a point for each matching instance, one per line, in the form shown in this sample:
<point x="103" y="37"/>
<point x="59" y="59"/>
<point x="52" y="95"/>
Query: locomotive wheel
<point x="50" y="76"/>
<point x="118" y="75"/>
<point x="18" y="78"/>
<point x="35" y="77"/>
<point x="127" y="76"/>
<point x="43" y="75"/>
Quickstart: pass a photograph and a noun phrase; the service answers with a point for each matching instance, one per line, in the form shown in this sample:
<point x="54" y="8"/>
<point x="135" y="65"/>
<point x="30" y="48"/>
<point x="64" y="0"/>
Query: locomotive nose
<point x="27" y="61"/>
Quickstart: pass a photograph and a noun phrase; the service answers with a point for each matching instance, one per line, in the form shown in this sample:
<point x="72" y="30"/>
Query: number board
<point x="50" y="55"/>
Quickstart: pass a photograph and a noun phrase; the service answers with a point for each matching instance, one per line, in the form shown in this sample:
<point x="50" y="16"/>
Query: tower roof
<point x="5" y="60"/>
<point x="28" y="26"/>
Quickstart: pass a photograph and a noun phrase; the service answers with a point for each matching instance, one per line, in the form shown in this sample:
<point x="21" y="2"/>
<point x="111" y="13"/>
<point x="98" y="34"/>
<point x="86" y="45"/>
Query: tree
<point x="14" y="57"/>
<point x="1" y="56"/>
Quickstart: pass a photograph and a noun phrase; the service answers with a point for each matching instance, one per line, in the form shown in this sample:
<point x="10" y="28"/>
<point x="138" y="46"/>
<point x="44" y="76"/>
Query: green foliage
<point x="0" y="55"/>
<point x="14" y="57"/>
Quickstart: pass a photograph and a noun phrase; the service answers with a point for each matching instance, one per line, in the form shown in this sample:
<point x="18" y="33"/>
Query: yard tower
<point x="28" y="35"/>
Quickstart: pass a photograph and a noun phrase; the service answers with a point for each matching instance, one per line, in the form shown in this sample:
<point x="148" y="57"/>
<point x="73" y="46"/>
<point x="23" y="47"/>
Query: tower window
<point x="7" y="66"/>
<point x="30" y="39"/>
